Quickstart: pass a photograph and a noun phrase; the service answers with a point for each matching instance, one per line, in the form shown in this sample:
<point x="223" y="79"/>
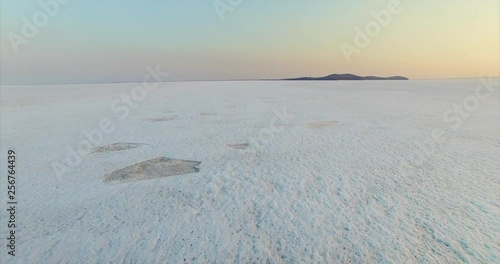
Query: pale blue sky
<point x="114" y="40"/>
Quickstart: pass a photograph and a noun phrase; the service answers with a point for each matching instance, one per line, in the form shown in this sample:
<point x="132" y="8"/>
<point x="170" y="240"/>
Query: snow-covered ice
<point x="290" y="172"/>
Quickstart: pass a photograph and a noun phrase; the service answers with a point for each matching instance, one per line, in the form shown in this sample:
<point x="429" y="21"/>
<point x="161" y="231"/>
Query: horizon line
<point x="239" y="80"/>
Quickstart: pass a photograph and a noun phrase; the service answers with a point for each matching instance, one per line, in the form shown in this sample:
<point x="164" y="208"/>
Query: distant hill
<point x="346" y="77"/>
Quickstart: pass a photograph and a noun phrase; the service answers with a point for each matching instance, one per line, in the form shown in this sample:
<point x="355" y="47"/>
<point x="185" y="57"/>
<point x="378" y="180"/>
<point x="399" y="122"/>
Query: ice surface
<point x="371" y="187"/>
<point x="320" y="124"/>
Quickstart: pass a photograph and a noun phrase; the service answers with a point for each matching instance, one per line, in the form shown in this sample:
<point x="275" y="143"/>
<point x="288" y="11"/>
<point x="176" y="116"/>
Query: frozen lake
<point x="257" y="171"/>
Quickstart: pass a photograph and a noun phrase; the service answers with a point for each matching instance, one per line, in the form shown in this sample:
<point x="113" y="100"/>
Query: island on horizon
<point x="347" y="77"/>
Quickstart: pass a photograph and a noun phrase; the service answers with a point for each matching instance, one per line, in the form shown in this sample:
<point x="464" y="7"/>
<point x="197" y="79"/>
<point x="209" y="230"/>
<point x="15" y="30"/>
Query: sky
<point x="89" y="41"/>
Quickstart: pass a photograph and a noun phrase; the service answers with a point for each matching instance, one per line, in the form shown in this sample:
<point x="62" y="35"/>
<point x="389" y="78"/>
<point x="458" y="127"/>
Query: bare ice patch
<point x="152" y="169"/>
<point x="208" y="114"/>
<point x="239" y="146"/>
<point x="116" y="147"/>
<point x="320" y="124"/>
<point x="162" y="119"/>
